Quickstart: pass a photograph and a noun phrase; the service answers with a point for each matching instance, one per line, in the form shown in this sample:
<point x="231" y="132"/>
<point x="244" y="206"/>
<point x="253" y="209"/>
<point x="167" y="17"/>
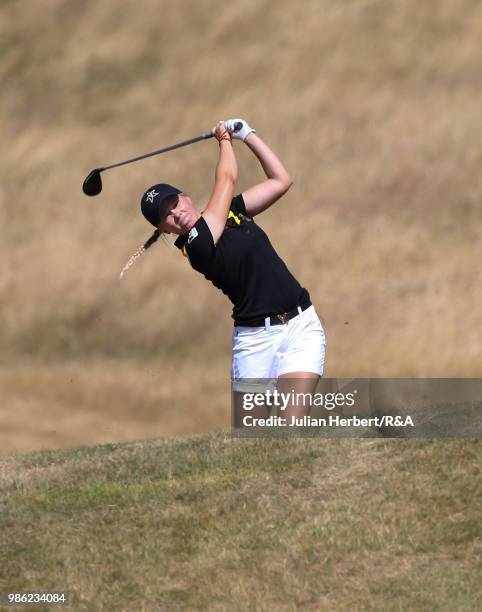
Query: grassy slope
<point x="217" y="523"/>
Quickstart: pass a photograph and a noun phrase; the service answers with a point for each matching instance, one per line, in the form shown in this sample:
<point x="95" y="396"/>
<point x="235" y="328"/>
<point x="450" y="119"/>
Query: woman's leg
<point x="300" y="387"/>
<point x="302" y="363"/>
<point x="253" y="371"/>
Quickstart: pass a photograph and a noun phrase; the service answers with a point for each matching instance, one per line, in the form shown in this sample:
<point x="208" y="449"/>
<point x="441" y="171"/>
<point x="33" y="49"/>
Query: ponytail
<point x="142" y="249"/>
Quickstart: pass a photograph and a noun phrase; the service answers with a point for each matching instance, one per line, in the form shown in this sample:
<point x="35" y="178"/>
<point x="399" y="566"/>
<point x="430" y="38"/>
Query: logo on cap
<point x="150" y="195"/>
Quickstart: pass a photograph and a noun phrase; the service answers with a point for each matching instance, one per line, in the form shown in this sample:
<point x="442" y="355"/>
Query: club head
<point x="93" y="183"/>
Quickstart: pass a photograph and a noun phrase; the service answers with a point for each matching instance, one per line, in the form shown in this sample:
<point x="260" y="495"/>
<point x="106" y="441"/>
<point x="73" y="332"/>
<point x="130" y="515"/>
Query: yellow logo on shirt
<point x="232" y="219"/>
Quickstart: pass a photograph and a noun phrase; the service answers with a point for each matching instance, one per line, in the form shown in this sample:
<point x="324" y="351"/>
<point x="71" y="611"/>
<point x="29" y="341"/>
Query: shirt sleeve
<point x="238" y="205"/>
<point x="199" y="244"/>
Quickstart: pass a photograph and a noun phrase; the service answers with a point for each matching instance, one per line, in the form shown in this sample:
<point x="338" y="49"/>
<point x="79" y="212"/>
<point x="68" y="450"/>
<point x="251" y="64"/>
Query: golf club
<point x="93" y="183"/>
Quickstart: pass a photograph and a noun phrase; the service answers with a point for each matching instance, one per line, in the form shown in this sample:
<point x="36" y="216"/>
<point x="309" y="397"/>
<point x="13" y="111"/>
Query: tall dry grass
<point x="375" y="109"/>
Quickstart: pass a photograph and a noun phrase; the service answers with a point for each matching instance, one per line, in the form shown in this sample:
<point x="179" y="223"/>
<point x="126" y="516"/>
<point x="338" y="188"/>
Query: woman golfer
<point x="277" y="334"/>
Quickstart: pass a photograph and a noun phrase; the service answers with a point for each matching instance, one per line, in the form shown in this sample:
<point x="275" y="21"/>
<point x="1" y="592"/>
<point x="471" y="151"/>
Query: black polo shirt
<point x="244" y="265"/>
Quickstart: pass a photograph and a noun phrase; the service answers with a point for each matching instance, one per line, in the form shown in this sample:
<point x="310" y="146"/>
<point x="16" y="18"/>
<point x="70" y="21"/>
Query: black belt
<point x="279" y="319"/>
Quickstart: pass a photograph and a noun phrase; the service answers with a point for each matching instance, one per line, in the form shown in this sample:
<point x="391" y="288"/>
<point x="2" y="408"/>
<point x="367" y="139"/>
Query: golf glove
<point x="240" y="134"/>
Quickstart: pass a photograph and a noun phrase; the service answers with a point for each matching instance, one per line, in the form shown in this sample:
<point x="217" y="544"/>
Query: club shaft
<point x="171" y="148"/>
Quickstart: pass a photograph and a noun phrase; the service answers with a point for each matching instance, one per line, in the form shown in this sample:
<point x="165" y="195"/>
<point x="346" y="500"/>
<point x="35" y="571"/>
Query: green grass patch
<point x="213" y="522"/>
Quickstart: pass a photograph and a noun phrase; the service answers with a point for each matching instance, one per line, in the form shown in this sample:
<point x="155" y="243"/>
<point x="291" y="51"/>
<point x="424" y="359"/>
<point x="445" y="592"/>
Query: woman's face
<point x="179" y="214"/>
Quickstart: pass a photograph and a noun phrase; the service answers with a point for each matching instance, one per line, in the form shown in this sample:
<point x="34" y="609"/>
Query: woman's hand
<point x="220" y="132"/>
<point x="244" y="130"/>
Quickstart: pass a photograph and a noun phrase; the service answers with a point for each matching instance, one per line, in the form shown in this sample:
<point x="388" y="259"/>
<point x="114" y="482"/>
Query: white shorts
<point x="263" y="353"/>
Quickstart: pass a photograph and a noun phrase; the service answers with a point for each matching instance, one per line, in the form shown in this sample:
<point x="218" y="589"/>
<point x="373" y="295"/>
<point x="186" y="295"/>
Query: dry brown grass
<point x="373" y="106"/>
<point x="94" y="403"/>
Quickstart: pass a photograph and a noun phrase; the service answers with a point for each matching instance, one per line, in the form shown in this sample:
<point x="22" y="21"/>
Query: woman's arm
<point x="226" y="174"/>
<point x="278" y="181"/>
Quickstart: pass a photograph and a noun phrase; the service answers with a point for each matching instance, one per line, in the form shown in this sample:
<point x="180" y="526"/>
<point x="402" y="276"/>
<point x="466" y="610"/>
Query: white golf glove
<point x="240" y="134"/>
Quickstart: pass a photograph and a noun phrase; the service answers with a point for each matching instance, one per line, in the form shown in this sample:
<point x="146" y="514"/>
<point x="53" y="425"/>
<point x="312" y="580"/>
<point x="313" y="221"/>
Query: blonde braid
<point x="142" y="249"/>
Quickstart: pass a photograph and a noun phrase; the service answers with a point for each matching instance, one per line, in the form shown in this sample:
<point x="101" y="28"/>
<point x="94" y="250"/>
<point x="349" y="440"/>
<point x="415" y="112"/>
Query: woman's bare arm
<point x="278" y="181"/>
<point x="217" y="209"/>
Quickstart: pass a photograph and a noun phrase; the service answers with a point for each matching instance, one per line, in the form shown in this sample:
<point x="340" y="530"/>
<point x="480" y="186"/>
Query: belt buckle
<point x="283" y="317"/>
